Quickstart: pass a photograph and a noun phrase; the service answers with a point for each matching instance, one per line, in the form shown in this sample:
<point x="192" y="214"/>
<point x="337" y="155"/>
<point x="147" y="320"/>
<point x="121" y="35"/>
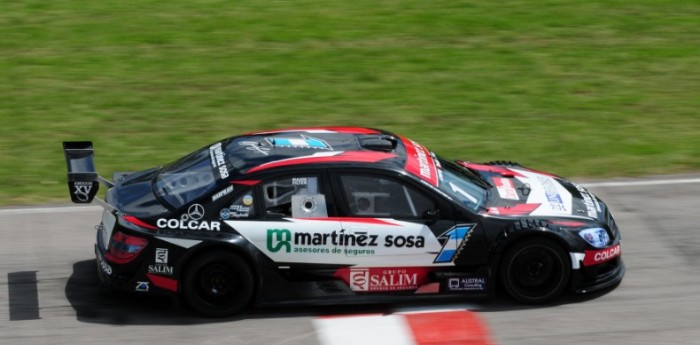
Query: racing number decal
<point x="453" y="241"/>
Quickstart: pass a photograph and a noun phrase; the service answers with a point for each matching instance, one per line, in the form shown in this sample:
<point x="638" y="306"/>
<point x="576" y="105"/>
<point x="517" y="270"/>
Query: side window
<point x="375" y="196"/>
<point x="241" y="207"/>
<point x="297" y="197"/>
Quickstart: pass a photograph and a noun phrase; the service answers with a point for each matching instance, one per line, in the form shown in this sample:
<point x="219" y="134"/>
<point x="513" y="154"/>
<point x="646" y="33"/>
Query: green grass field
<point x="579" y="88"/>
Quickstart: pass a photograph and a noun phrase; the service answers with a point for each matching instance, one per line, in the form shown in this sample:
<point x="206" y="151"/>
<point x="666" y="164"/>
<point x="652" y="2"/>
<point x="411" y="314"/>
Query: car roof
<point x="266" y="150"/>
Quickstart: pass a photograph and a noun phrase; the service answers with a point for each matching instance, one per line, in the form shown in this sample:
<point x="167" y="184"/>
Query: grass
<point x="583" y="89"/>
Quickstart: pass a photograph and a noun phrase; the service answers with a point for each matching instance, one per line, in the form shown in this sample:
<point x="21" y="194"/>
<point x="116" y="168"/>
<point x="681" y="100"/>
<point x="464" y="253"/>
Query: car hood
<point x="133" y="194"/>
<point x="520" y="191"/>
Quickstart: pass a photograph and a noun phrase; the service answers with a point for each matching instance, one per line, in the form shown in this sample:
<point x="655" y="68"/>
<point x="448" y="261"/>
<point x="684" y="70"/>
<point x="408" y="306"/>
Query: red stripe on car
<point x="517" y="210"/>
<point x="139" y="222"/>
<point x="335" y="129"/>
<point x="354" y="220"/>
<point x="246" y="182"/>
<point x="163" y="282"/>
<point x="348" y="156"/>
<point x="503" y="171"/>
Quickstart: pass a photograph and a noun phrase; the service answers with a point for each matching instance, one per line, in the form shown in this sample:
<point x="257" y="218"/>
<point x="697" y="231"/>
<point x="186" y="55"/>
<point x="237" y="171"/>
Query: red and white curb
<point x="456" y="327"/>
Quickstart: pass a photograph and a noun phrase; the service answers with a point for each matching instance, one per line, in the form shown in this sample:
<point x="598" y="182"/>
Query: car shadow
<point x="92" y="305"/>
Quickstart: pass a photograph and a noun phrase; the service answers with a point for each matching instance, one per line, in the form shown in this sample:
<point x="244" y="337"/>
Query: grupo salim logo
<point x="385" y="279"/>
<point x="359" y="279"/>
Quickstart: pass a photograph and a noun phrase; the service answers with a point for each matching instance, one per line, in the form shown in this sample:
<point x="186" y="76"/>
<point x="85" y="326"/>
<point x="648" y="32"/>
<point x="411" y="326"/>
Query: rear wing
<point x="83" y="180"/>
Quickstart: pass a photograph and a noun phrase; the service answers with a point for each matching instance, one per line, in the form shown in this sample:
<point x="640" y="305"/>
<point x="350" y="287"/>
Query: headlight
<point x="597" y="237"/>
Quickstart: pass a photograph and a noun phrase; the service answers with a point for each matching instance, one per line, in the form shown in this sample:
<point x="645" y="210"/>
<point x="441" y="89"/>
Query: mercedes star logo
<point x="196" y="212"/>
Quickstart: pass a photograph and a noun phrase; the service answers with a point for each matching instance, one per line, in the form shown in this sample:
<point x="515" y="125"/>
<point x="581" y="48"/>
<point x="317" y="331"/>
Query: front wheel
<point x="535" y="271"/>
<point x="218" y="284"/>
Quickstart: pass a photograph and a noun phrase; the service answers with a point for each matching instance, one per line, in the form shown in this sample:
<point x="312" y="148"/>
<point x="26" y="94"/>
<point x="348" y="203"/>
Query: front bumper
<point x="598" y="277"/>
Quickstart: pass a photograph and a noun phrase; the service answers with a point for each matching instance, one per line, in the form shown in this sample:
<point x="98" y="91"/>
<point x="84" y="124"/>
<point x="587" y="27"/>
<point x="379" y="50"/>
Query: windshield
<point x="191" y="176"/>
<point x="463" y="185"/>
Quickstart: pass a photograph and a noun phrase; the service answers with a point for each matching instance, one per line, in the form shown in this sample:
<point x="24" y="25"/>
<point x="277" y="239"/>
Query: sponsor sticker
<point x="420" y="162"/>
<point x="222" y="193"/>
<point x="218" y="160"/>
<point x="554" y="199"/>
<point x="466" y="284"/>
<point x="161" y="263"/>
<point x="595" y="257"/>
<point x="194" y="212"/>
<point x="506" y="189"/>
<point x="278" y="239"/>
<point x="351" y="241"/>
<point x="142" y="286"/>
<point x="161" y="255"/>
<point x="376" y="279"/>
<point x="225" y="213"/>
<point x="248" y="200"/>
<point x="307" y="242"/>
<point x="160" y="269"/>
<point x="592" y="205"/>
<point x="179" y="224"/>
<point x="300" y="181"/>
<point x="81" y="190"/>
<point x="239" y="211"/>
<point x="106" y="268"/>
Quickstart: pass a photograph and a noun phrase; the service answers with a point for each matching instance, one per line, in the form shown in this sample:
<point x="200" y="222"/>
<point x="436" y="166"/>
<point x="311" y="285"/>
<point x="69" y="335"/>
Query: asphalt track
<point x="48" y="287"/>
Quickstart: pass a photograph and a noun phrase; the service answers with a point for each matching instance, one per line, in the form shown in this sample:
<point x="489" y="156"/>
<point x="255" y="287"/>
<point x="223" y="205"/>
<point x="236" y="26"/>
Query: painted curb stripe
<point x="366" y="330"/>
<point x="457" y="327"/>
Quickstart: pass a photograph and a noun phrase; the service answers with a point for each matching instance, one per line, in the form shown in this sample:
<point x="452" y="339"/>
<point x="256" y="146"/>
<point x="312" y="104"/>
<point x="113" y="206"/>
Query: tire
<point x="218" y="284"/>
<point x="535" y="271"/>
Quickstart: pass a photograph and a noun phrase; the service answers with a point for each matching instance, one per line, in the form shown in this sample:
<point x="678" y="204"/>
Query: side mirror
<point x="431" y="215"/>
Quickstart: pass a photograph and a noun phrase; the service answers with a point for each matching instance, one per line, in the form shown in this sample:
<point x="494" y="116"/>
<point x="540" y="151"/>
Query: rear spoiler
<point x="83" y="180"/>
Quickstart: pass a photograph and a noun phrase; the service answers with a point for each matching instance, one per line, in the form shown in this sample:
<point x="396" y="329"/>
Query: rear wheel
<point x="218" y="284"/>
<point x="535" y="271"/>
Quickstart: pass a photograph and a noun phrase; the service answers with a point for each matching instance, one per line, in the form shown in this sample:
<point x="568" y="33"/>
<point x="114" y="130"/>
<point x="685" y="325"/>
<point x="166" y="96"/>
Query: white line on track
<point x="642" y="183"/>
<point x="58" y="209"/>
<point x="69" y="209"/>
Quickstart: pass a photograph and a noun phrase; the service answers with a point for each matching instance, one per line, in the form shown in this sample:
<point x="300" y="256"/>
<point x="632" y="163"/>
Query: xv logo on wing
<point x="82" y="191"/>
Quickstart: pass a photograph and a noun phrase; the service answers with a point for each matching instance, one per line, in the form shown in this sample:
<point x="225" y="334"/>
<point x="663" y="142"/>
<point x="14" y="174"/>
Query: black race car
<point x="342" y="214"/>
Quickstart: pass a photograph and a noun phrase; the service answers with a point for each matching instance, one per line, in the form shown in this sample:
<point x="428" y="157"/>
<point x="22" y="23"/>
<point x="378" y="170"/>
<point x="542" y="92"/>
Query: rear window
<point x="192" y="176"/>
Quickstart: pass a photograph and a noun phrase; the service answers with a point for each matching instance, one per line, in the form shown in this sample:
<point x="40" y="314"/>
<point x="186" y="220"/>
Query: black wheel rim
<point x="536" y="271"/>
<point x="218" y="285"/>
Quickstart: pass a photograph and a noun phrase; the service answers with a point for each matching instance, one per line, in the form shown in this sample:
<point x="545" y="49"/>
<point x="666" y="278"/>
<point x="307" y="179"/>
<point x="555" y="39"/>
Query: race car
<point x="341" y="215"/>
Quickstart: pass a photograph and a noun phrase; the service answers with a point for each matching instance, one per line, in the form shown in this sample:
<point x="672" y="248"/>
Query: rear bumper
<point x="108" y="276"/>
